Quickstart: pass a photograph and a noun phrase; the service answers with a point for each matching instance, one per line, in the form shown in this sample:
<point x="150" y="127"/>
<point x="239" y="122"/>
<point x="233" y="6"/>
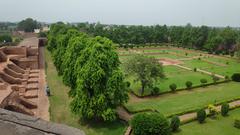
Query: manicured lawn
<point x="219" y="126"/>
<point x="188" y="100"/>
<point x="173" y="75"/>
<point x="59" y="107"/>
<point x="195" y="63"/>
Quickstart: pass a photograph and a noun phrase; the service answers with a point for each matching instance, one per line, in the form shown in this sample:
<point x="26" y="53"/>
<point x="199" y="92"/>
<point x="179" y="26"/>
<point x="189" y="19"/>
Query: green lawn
<point x="59" y="106"/>
<point x="219" y="126"/>
<point x="188" y="100"/>
<point x="173" y="75"/>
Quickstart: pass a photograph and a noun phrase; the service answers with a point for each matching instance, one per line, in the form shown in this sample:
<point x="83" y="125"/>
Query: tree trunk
<point x="142" y="89"/>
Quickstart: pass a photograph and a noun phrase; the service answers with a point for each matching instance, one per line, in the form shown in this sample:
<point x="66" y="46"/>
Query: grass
<point x="219" y="126"/>
<point x="188" y="100"/>
<point x="59" y="106"/>
<point x="173" y="75"/>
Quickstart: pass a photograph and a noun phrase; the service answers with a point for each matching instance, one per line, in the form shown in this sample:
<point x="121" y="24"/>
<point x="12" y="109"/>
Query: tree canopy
<point x="197" y="37"/>
<point x="28" y="25"/>
<point x="145" y="69"/>
<point x="90" y="66"/>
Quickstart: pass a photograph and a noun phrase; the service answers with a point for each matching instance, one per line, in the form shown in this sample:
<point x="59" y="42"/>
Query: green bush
<point x="236" y="77"/>
<point x="173" y="87"/>
<point x="5" y="38"/>
<point x="203" y="81"/>
<point x="150" y="124"/>
<point x="224" y="109"/>
<point x="175" y="123"/>
<point x="237" y="123"/>
<point x="201" y="115"/>
<point x="195" y="69"/>
<point x="155" y="91"/>
<point x="189" y="84"/>
<point x="212" y="110"/>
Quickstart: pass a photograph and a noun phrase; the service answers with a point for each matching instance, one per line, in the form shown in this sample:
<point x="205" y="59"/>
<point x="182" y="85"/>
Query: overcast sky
<point x="145" y="12"/>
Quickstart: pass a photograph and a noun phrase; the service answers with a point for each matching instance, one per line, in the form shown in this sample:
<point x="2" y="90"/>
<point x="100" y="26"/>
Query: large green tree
<point x="145" y="69"/>
<point x="73" y="51"/>
<point x="100" y="85"/>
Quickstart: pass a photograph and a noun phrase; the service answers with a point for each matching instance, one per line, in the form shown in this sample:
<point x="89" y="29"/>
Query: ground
<point x="168" y="103"/>
<point x="219" y="126"/>
<point x="59" y="106"/>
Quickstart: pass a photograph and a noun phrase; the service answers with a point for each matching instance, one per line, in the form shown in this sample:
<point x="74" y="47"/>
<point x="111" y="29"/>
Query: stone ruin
<point x="19" y="79"/>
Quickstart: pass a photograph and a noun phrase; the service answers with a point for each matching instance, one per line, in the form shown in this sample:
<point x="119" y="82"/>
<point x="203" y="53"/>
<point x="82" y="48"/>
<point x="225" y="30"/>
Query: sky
<point x="129" y="12"/>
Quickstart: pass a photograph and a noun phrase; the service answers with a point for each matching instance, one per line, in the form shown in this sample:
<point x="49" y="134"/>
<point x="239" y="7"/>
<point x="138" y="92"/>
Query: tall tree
<point x="145" y="69"/>
<point x="28" y="25"/>
<point x="100" y="82"/>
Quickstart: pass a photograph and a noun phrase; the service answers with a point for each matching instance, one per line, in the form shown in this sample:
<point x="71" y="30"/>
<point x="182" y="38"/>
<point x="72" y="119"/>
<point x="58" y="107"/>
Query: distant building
<point x="36" y="30"/>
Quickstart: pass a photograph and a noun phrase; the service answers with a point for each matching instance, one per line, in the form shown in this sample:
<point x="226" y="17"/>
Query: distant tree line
<point x="90" y="66"/>
<point x="211" y="39"/>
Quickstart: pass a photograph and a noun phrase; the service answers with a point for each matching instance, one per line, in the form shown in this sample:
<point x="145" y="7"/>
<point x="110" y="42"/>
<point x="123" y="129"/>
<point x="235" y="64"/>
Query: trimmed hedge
<point x="180" y="89"/>
<point x="224" y="109"/>
<point x="201" y="115"/>
<point x="175" y="123"/>
<point x="189" y="84"/>
<point x="236" y="77"/>
<point x="173" y="87"/>
<point x="150" y="124"/>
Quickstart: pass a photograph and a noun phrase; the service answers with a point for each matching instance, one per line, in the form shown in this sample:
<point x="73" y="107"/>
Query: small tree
<point x="203" y="81"/>
<point x="145" y="69"/>
<point x="189" y="84"/>
<point x="150" y="124"/>
<point x="195" y="69"/>
<point x="224" y="109"/>
<point x="201" y="115"/>
<point x="175" y="123"/>
<point x="173" y="87"/>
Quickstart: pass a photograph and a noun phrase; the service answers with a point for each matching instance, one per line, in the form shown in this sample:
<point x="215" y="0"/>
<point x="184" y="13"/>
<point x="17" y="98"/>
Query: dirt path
<point x="43" y="102"/>
<point x="202" y="71"/>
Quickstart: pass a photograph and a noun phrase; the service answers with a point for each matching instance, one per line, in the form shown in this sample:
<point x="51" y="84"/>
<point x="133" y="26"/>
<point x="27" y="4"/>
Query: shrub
<point x="195" y="69"/>
<point x="201" y="115"/>
<point x="237" y="123"/>
<point x="150" y="124"/>
<point x="186" y="54"/>
<point x="173" y="87"/>
<point x="203" y="81"/>
<point x="5" y="38"/>
<point x="236" y="77"/>
<point x="155" y="91"/>
<point x="175" y="123"/>
<point x="189" y="84"/>
<point x="224" y="109"/>
<point x="212" y="110"/>
<point x="199" y="58"/>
